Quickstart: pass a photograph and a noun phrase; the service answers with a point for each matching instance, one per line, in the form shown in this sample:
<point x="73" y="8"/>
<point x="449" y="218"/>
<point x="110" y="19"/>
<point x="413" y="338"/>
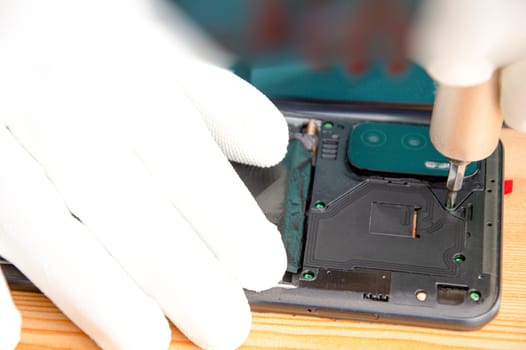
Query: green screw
<point x="459" y="258"/>
<point x="328" y="125"/>
<point x="308" y="275"/>
<point x="319" y="205"/>
<point x="475" y="296"/>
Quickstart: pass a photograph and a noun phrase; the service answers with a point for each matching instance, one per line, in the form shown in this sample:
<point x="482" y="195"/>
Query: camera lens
<point x="374" y="137"/>
<point x="414" y="142"/>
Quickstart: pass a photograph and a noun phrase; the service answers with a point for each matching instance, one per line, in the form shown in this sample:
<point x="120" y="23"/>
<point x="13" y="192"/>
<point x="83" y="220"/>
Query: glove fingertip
<point x="245" y="124"/>
<point x="513" y="92"/>
<point x="10" y="318"/>
<point x="267" y="264"/>
<point x="263" y="145"/>
<point x="10" y="330"/>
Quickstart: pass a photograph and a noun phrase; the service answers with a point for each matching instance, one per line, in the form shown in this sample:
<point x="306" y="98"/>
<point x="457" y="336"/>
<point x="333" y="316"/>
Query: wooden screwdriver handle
<point x="466" y="121"/>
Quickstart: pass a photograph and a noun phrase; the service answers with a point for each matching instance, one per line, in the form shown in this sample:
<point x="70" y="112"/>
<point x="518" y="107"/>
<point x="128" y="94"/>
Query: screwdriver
<point x="465" y="127"/>
<point x="455" y="178"/>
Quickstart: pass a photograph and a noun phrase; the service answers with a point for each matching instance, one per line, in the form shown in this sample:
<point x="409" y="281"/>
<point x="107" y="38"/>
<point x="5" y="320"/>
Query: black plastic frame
<point x="338" y="303"/>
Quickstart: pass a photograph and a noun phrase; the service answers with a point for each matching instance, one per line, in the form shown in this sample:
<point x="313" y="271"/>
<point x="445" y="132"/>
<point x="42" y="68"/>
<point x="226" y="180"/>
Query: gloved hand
<point x="116" y="196"/>
<point x="463" y="43"/>
<point x="476" y="51"/>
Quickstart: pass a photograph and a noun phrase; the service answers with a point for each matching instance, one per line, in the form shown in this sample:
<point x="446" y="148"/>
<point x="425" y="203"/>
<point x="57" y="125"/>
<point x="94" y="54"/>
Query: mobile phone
<point x="360" y="203"/>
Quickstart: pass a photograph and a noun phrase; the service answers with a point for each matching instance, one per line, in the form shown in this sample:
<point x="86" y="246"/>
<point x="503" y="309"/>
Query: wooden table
<point x="45" y="327"/>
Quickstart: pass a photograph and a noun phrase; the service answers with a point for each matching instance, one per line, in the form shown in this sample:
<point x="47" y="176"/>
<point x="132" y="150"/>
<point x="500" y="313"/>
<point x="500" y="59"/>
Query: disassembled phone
<point x="360" y="203"/>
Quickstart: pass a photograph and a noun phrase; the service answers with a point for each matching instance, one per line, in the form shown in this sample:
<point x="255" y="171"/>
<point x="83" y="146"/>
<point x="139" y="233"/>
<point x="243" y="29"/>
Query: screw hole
<point x="320" y="205"/>
<point x="459" y="258"/>
<point x="308" y="275"/>
<point x="475" y="296"/>
<point x="327" y="125"/>
<point x="490" y="224"/>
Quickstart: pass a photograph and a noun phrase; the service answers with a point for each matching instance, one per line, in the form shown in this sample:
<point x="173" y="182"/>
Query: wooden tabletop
<point x="45" y="327"/>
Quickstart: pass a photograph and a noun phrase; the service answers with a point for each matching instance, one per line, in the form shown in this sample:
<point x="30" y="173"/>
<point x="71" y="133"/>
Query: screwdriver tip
<point x="454" y="181"/>
<point x="451" y="200"/>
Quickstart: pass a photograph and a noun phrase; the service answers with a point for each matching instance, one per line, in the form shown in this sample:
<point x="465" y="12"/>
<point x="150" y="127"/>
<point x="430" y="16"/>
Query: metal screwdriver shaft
<point x="454" y="181"/>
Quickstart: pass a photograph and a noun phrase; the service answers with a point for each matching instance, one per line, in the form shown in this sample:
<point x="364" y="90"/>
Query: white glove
<point x="10" y="320"/>
<point x="462" y="43"/>
<point x="116" y="198"/>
